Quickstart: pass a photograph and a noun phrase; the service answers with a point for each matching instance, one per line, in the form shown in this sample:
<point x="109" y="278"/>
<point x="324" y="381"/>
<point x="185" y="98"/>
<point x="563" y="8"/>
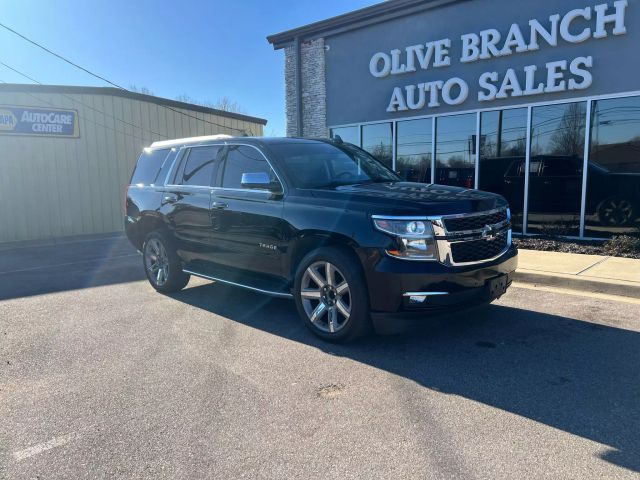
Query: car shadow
<point x="576" y="376"/>
<point x="56" y="267"/>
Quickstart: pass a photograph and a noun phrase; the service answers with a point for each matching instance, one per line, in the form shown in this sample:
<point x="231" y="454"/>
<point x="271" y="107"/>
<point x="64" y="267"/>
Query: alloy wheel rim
<point x="326" y="297"/>
<point x="617" y="212"/>
<point x="157" y="261"/>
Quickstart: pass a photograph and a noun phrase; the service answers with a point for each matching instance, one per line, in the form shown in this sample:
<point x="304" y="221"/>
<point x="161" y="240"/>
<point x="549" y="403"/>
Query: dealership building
<point x="66" y="153"/>
<point x="536" y="101"/>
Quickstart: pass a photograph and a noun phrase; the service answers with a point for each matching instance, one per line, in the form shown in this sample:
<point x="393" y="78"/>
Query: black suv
<point x="319" y="221"/>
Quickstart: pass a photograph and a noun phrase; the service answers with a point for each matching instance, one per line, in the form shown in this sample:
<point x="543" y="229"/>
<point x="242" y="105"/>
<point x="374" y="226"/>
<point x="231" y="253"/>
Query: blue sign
<point x="38" y="121"/>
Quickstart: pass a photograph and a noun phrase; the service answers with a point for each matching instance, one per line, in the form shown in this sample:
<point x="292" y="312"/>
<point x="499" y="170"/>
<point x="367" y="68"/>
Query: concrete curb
<point x="583" y="283"/>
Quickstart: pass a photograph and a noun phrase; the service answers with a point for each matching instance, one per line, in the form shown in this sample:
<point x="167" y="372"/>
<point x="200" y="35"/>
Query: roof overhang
<point x="71" y="89"/>
<point x="378" y="13"/>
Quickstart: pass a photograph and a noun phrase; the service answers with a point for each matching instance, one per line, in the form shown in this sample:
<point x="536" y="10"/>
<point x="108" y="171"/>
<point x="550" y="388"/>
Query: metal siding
<point x="54" y="187"/>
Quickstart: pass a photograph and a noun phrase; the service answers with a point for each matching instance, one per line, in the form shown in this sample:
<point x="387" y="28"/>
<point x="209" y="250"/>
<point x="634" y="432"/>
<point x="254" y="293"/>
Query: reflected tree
<point x="568" y="139"/>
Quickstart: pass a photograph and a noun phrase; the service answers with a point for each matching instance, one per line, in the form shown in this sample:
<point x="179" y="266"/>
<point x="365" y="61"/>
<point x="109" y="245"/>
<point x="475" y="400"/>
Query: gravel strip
<point x="588" y="247"/>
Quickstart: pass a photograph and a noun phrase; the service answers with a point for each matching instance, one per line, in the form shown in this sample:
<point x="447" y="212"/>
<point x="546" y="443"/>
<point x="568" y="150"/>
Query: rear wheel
<point x="162" y="265"/>
<point x="331" y="295"/>
<point x="616" y="212"/>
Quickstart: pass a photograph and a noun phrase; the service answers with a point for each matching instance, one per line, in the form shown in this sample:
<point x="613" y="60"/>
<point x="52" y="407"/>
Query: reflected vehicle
<point x="456" y="176"/>
<point x="556" y="184"/>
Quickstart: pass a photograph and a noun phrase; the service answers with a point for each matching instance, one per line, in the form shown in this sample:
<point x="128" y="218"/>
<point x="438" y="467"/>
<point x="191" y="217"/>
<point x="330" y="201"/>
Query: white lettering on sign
<point x="575" y="26"/>
<point x="38" y="117"/>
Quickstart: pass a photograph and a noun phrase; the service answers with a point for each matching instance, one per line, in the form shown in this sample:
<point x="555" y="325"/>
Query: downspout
<point x="299" y="85"/>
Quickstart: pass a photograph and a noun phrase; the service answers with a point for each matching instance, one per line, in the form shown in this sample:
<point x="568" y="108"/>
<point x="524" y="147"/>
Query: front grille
<point x="478" y="250"/>
<point x="475" y="222"/>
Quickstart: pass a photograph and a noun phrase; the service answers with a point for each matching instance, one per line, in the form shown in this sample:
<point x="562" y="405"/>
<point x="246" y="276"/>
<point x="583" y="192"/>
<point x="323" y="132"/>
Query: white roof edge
<point x="181" y="141"/>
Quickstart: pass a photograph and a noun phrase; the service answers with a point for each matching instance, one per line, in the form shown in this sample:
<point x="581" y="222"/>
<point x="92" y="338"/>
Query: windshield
<point x="322" y="165"/>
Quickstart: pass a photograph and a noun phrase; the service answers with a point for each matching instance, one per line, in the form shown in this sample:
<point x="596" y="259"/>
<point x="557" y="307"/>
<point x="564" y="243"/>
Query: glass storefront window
<point x="503" y="149"/>
<point x="377" y="140"/>
<point x="613" y="174"/>
<point x="413" y="150"/>
<point x="347" y="134"/>
<point x="455" y="150"/>
<point x="555" y="169"/>
<point x="555" y="175"/>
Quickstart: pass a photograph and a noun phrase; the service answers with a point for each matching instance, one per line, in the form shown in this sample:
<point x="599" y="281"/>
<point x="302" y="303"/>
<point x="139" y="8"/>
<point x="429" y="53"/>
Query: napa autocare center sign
<point x="36" y="121"/>
<point x="492" y="53"/>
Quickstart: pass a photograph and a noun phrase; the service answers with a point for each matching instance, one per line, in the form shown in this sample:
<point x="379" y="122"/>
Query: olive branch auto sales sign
<point x="36" y="121"/>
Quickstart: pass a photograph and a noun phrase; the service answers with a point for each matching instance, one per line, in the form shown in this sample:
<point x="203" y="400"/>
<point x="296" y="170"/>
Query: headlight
<point x="415" y="239"/>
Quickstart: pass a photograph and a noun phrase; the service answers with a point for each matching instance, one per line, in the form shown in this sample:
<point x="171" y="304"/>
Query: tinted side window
<point x="200" y="166"/>
<point x="166" y="166"/>
<point x="562" y="167"/>
<point x="148" y="166"/>
<point x="242" y="159"/>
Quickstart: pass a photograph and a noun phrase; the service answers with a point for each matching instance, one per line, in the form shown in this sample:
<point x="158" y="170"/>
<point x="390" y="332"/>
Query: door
<point x="247" y="222"/>
<point x="187" y="202"/>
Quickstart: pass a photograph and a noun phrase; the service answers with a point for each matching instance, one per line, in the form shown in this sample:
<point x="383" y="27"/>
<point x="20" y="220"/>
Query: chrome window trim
<point x="179" y="156"/>
<point x="212" y="188"/>
<point x="244" y="190"/>
<point x="282" y="184"/>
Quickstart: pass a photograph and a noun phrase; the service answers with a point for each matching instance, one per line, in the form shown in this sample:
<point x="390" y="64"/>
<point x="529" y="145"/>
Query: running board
<point x="235" y="284"/>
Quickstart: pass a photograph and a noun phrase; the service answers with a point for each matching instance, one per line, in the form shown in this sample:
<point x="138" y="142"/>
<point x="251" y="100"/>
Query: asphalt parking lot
<point x="101" y="377"/>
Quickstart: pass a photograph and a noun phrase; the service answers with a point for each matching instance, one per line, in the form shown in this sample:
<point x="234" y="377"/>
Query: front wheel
<point x="331" y="295"/>
<point x="162" y="265"/>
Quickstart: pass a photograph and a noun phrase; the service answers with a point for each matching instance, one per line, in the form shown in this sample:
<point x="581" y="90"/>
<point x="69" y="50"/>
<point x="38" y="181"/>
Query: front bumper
<point x="392" y="281"/>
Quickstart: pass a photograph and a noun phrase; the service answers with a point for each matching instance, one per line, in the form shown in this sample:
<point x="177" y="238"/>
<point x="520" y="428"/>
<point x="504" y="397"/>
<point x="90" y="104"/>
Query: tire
<point x="337" y="311"/>
<point x="162" y="264"/>
<point x="616" y="212"/>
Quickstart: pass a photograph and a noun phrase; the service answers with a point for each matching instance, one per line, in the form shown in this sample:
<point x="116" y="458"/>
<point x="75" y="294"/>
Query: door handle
<point x="219" y="205"/>
<point x="171" y="198"/>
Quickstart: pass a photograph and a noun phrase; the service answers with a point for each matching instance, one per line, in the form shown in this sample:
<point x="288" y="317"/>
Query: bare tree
<point x="227" y="105"/>
<point x="143" y="90"/>
<point x="458" y="161"/>
<point x="224" y="103"/>
<point x="568" y="139"/>
<point x="382" y="152"/>
<point x="518" y="148"/>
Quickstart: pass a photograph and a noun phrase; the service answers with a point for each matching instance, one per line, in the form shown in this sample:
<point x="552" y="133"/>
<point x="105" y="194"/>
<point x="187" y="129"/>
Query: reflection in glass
<point x="413" y="150"/>
<point x="613" y="176"/>
<point x="555" y="169"/>
<point x="347" y="134"/>
<point x="376" y="139"/>
<point x="455" y="150"/>
<point x="503" y="145"/>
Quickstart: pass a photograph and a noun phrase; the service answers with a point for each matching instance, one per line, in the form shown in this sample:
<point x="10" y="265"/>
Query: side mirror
<point x="255" y="180"/>
<point x="261" y="181"/>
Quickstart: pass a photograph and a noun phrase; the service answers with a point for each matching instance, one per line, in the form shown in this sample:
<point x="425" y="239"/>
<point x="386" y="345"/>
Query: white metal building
<point x="67" y="152"/>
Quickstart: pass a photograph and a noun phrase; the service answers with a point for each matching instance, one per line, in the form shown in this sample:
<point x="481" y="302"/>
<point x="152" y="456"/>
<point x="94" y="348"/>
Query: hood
<point x="408" y="198"/>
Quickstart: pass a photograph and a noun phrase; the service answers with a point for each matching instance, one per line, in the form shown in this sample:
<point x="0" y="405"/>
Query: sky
<point x="203" y="49"/>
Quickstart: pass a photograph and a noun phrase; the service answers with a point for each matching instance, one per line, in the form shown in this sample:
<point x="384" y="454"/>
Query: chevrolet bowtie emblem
<point x="488" y="232"/>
